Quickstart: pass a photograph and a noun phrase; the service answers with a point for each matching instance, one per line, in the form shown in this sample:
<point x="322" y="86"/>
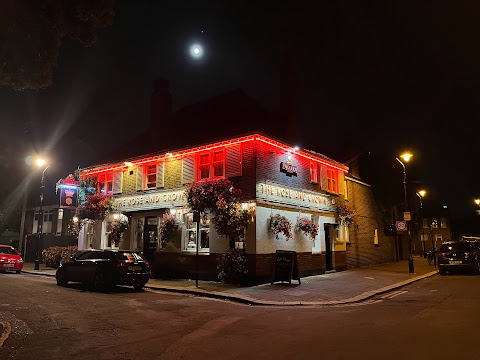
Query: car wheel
<point x="61" y="278"/>
<point x="138" y="287"/>
<point x="442" y="271"/>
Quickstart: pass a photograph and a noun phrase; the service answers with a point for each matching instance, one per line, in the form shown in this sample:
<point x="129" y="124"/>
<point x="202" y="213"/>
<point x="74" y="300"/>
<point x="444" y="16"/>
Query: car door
<point x="98" y="261"/>
<point x="74" y="268"/>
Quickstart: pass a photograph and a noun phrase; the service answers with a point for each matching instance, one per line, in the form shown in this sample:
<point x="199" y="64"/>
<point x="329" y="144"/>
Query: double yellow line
<point x="7" y="329"/>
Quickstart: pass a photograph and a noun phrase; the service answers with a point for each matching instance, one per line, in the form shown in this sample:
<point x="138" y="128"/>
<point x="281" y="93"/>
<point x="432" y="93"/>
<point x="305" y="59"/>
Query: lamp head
<point x="477" y="201"/>
<point x="422" y="193"/>
<point x="40" y="162"/>
<point x="406" y="156"/>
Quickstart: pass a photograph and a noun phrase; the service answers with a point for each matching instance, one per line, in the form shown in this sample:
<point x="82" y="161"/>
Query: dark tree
<point x="31" y="32"/>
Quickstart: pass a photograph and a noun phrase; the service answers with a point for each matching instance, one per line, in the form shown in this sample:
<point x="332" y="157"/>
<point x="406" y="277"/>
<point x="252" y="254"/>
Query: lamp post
<point x="406" y="157"/>
<point x="40" y="163"/>
<point x="420" y="195"/>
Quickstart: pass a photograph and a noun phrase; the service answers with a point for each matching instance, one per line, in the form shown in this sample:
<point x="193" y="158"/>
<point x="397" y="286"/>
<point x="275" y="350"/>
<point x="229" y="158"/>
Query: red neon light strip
<point x="285" y="148"/>
<point x="211" y="147"/>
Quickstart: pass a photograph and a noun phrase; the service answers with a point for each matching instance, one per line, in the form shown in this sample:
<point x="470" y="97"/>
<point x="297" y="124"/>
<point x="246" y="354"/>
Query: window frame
<point x="211" y="164"/>
<point x="106" y="179"/>
<point x="332" y="180"/>
<point x="314" y="173"/>
<point x="146" y="173"/>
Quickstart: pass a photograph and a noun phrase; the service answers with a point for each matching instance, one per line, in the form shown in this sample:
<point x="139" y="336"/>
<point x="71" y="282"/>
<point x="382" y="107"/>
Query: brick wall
<point x="361" y="250"/>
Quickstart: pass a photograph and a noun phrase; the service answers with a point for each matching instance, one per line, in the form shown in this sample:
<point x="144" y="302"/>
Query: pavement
<point x="337" y="288"/>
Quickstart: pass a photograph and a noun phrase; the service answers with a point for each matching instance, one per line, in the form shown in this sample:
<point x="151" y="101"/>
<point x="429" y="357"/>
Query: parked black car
<point x="460" y="255"/>
<point x="105" y="268"/>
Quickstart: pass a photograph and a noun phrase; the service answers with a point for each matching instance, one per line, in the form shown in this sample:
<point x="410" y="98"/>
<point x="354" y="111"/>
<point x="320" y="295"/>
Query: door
<point x="328" y="247"/>
<point x="150" y="237"/>
<point x="76" y="267"/>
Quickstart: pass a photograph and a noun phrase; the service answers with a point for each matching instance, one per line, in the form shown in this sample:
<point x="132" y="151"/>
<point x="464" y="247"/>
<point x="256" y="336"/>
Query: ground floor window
<point x="189" y="239"/>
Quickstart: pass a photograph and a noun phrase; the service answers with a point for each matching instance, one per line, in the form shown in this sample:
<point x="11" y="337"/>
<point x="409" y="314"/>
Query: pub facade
<point x="274" y="177"/>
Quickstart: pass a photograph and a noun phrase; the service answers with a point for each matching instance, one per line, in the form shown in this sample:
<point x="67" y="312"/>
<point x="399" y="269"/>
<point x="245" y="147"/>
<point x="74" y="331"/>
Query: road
<point x="434" y="318"/>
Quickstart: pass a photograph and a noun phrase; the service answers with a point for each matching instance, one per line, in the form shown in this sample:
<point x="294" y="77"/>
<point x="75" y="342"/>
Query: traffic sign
<point x="407" y="216"/>
<point x="401" y="225"/>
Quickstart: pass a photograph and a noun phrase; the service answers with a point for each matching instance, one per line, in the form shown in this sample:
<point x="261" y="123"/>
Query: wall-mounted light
<point x="75" y="219"/>
<point x="173" y="211"/>
<point x="128" y="163"/>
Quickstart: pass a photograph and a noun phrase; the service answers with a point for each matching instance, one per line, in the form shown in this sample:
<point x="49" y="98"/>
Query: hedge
<point x="55" y="255"/>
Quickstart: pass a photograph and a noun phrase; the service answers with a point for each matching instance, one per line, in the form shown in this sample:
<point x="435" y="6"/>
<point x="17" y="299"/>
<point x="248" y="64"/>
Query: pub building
<point x="274" y="177"/>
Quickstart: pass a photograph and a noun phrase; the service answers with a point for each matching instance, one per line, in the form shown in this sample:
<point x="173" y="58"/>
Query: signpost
<point x="286" y="267"/>
<point x="407" y="216"/>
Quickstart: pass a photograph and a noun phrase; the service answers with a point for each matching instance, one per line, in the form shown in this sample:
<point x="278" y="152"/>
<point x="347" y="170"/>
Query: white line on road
<point x="5" y="333"/>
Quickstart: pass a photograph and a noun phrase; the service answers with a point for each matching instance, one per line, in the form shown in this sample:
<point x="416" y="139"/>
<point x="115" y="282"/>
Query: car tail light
<point x="147" y="263"/>
<point x="441" y="254"/>
<point x="468" y="254"/>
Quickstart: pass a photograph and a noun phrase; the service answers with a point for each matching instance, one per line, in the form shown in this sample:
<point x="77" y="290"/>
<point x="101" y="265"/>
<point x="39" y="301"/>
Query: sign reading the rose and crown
<point x="151" y="200"/>
<point x="274" y="193"/>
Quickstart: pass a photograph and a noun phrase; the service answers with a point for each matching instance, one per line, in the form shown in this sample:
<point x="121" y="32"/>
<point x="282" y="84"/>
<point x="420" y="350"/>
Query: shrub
<point x="55" y="255"/>
<point x="232" y="266"/>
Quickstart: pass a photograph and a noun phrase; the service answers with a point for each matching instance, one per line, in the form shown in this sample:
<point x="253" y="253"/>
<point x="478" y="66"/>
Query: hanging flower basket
<point x="96" y="207"/>
<point x="307" y="226"/>
<point x="346" y="214"/>
<point x="117" y="229"/>
<point x="168" y="228"/>
<point x="280" y="225"/>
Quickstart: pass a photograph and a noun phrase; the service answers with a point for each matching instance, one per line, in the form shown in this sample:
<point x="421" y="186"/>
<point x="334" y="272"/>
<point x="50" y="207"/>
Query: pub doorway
<point x="328" y="247"/>
<point x="150" y="237"/>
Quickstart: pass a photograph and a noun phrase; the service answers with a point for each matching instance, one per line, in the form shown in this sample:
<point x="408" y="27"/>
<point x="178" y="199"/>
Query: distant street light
<point x="421" y="194"/>
<point x="406" y="157"/>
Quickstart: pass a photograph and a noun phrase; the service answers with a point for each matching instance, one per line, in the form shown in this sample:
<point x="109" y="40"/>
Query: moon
<point x="196" y="51"/>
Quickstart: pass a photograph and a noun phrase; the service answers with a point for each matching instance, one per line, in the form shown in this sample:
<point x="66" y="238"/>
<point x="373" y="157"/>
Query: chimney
<point x="289" y="98"/>
<point x="160" y="103"/>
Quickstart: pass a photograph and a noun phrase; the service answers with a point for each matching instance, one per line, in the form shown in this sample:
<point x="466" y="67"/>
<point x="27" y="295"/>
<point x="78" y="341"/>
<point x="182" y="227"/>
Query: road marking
<point x="7" y="329"/>
<point x="369" y="277"/>
<point x="394" y="294"/>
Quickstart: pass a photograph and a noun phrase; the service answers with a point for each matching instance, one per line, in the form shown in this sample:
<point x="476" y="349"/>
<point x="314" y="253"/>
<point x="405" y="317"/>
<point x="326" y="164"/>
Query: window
<point x="211" y="165"/>
<point x="151" y="176"/>
<point x="425" y="223"/>
<point x="105" y="183"/>
<point x="59" y="221"/>
<point x="190" y="240"/>
<point x="314" y="173"/>
<point x="434" y="223"/>
<point x="332" y="180"/>
<point x="443" y="222"/>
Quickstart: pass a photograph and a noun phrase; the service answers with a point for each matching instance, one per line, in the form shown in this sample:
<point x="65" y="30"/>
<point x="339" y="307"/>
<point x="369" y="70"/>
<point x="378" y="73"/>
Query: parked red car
<point x="10" y="259"/>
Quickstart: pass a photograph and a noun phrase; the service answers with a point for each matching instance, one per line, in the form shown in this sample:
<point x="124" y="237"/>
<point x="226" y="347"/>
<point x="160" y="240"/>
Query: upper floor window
<point x="443" y="222"/>
<point x="105" y="183"/>
<point x="151" y="176"/>
<point x="332" y="180"/>
<point x="434" y="223"/>
<point x="313" y="173"/>
<point x="211" y="165"/>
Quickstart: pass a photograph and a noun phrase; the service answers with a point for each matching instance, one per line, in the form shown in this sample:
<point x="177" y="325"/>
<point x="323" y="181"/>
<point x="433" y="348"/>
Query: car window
<point x="456" y="247"/>
<point x="8" y="250"/>
<point x="130" y="256"/>
<point x="101" y="255"/>
<point x="85" y="255"/>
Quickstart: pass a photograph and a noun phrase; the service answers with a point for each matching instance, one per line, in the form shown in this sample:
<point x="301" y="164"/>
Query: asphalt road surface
<point x="436" y="318"/>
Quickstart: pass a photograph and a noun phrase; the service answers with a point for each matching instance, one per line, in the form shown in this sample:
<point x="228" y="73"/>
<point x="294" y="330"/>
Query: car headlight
<point x="20" y="260"/>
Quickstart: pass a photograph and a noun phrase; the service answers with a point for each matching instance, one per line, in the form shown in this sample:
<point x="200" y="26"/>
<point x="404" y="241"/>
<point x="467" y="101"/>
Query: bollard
<point x="411" y="270"/>
<point x="37" y="264"/>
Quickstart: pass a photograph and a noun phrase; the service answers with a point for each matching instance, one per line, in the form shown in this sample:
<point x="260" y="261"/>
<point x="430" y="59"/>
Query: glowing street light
<point x="422" y="193"/>
<point x="477" y="201"/>
<point x="40" y="162"/>
<point x="406" y="157"/>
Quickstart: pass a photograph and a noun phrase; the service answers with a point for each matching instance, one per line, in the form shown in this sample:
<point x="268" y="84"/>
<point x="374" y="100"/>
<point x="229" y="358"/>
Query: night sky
<point x="392" y="75"/>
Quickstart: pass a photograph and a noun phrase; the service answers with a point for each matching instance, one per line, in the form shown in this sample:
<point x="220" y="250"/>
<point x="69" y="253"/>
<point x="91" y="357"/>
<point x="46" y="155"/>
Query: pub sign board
<point x="68" y="196"/>
<point x="285" y="267"/>
<point x="288" y="168"/>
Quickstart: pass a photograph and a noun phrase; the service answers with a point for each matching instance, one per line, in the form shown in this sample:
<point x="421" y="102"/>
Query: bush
<point x="232" y="267"/>
<point x="55" y="255"/>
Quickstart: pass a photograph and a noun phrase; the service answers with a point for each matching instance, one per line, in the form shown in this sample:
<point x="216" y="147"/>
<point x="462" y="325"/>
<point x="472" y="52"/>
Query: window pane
<point x="218" y="169"/>
<point x="218" y="156"/>
<point x="204" y="159"/>
<point x="204" y="172"/>
<point x="443" y="222"/>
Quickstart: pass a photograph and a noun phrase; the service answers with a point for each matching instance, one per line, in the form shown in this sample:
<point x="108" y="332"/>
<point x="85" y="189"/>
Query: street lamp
<point x="406" y="158"/>
<point x="421" y="194"/>
<point x="40" y="163"/>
